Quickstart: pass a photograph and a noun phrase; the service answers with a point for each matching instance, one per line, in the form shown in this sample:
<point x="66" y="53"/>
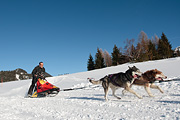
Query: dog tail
<point x="95" y="82"/>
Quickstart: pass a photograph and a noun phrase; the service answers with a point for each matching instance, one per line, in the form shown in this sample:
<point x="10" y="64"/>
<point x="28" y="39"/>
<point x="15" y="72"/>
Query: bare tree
<point x="107" y="58"/>
<point x="102" y="53"/>
<point x="142" y="36"/>
<point x="129" y="48"/>
<point x="138" y="50"/>
<point x="156" y="41"/>
<point x="142" y="47"/>
<point x="143" y="39"/>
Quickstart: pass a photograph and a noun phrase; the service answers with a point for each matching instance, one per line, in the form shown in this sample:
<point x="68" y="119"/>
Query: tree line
<point x="144" y="50"/>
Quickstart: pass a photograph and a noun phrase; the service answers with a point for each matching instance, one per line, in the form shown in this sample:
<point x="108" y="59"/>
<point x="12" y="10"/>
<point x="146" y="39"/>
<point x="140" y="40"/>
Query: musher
<point x="38" y="72"/>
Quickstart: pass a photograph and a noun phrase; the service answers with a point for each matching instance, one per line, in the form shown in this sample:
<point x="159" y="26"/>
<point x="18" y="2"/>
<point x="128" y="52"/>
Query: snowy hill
<point x="89" y="104"/>
<point x="18" y="74"/>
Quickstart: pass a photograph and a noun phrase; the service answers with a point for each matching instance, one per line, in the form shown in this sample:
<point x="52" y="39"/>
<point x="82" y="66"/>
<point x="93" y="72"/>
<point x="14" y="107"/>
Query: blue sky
<point x="62" y="33"/>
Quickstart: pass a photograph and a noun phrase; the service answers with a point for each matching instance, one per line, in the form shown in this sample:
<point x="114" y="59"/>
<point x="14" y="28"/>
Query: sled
<point x="45" y="89"/>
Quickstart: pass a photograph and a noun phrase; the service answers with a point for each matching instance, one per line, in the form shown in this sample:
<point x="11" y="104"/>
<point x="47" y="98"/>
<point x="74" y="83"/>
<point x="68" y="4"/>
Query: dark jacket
<point x="38" y="71"/>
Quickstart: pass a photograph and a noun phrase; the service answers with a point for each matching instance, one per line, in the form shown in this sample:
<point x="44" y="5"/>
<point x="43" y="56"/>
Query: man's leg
<point x="32" y="86"/>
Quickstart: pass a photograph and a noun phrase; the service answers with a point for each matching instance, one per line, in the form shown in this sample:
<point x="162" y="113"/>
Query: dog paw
<point x="118" y="98"/>
<point x="162" y="91"/>
<point x="151" y="95"/>
<point x="106" y="99"/>
<point x="123" y="92"/>
<point x="140" y="97"/>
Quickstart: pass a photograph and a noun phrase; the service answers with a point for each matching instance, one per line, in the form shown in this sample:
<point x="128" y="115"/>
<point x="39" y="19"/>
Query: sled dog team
<point x="132" y="76"/>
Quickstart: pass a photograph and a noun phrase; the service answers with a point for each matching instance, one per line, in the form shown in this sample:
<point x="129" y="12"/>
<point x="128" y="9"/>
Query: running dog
<point x="115" y="81"/>
<point x="147" y="80"/>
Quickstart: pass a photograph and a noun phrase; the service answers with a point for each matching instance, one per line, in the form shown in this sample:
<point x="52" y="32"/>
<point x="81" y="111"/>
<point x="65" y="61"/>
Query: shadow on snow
<point x="167" y="101"/>
<point x="175" y="94"/>
<point x="87" y="98"/>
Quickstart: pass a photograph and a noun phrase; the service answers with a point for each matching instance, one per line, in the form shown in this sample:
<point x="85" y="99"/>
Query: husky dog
<point x="115" y="81"/>
<point x="147" y="80"/>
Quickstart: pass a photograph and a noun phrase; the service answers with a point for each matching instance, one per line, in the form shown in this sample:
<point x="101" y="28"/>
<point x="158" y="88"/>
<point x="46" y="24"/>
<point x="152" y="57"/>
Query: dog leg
<point x="106" y="88"/>
<point x="131" y="91"/>
<point x="113" y="92"/>
<point x="147" y="88"/>
<point x="156" y="87"/>
<point x="106" y="92"/>
<point x="125" y="91"/>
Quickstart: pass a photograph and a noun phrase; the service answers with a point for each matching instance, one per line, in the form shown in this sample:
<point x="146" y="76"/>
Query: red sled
<point x="44" y="88"/>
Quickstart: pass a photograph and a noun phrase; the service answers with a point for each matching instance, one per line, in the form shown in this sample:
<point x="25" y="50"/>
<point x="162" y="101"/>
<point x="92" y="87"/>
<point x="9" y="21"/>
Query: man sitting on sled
<point x="37" y="72"/>
<point x="43" y="87"/>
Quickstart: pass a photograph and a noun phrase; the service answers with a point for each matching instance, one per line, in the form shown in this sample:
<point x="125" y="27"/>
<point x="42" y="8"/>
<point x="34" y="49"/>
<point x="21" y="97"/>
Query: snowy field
<point x="89" y="103"/>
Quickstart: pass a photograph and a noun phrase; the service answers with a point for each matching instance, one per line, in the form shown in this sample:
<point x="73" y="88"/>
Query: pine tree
<point x="90" y="65"/>
<point x="169" y="51"/>
<point x="164" y="47"/>
<point x="161" y="49"/>
<point x="99" y="60"/>
<point x="115" y="56"/>
<point x="124" y="59"/>
<point x="152" y="53"/>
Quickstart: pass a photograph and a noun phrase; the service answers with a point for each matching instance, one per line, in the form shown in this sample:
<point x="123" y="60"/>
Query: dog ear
<point x="129" y="67"/>
<point x="134" y="67"/>
<point x="155" y="71"/>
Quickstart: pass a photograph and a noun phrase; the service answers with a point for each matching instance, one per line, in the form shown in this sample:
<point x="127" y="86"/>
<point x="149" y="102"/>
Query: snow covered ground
<point x="89" y="103"/>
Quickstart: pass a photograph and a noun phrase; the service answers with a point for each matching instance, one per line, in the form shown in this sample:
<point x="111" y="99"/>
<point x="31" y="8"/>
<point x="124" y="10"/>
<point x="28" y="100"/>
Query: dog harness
<point x="113" y="80"/>
<point x="116" y="77"/>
